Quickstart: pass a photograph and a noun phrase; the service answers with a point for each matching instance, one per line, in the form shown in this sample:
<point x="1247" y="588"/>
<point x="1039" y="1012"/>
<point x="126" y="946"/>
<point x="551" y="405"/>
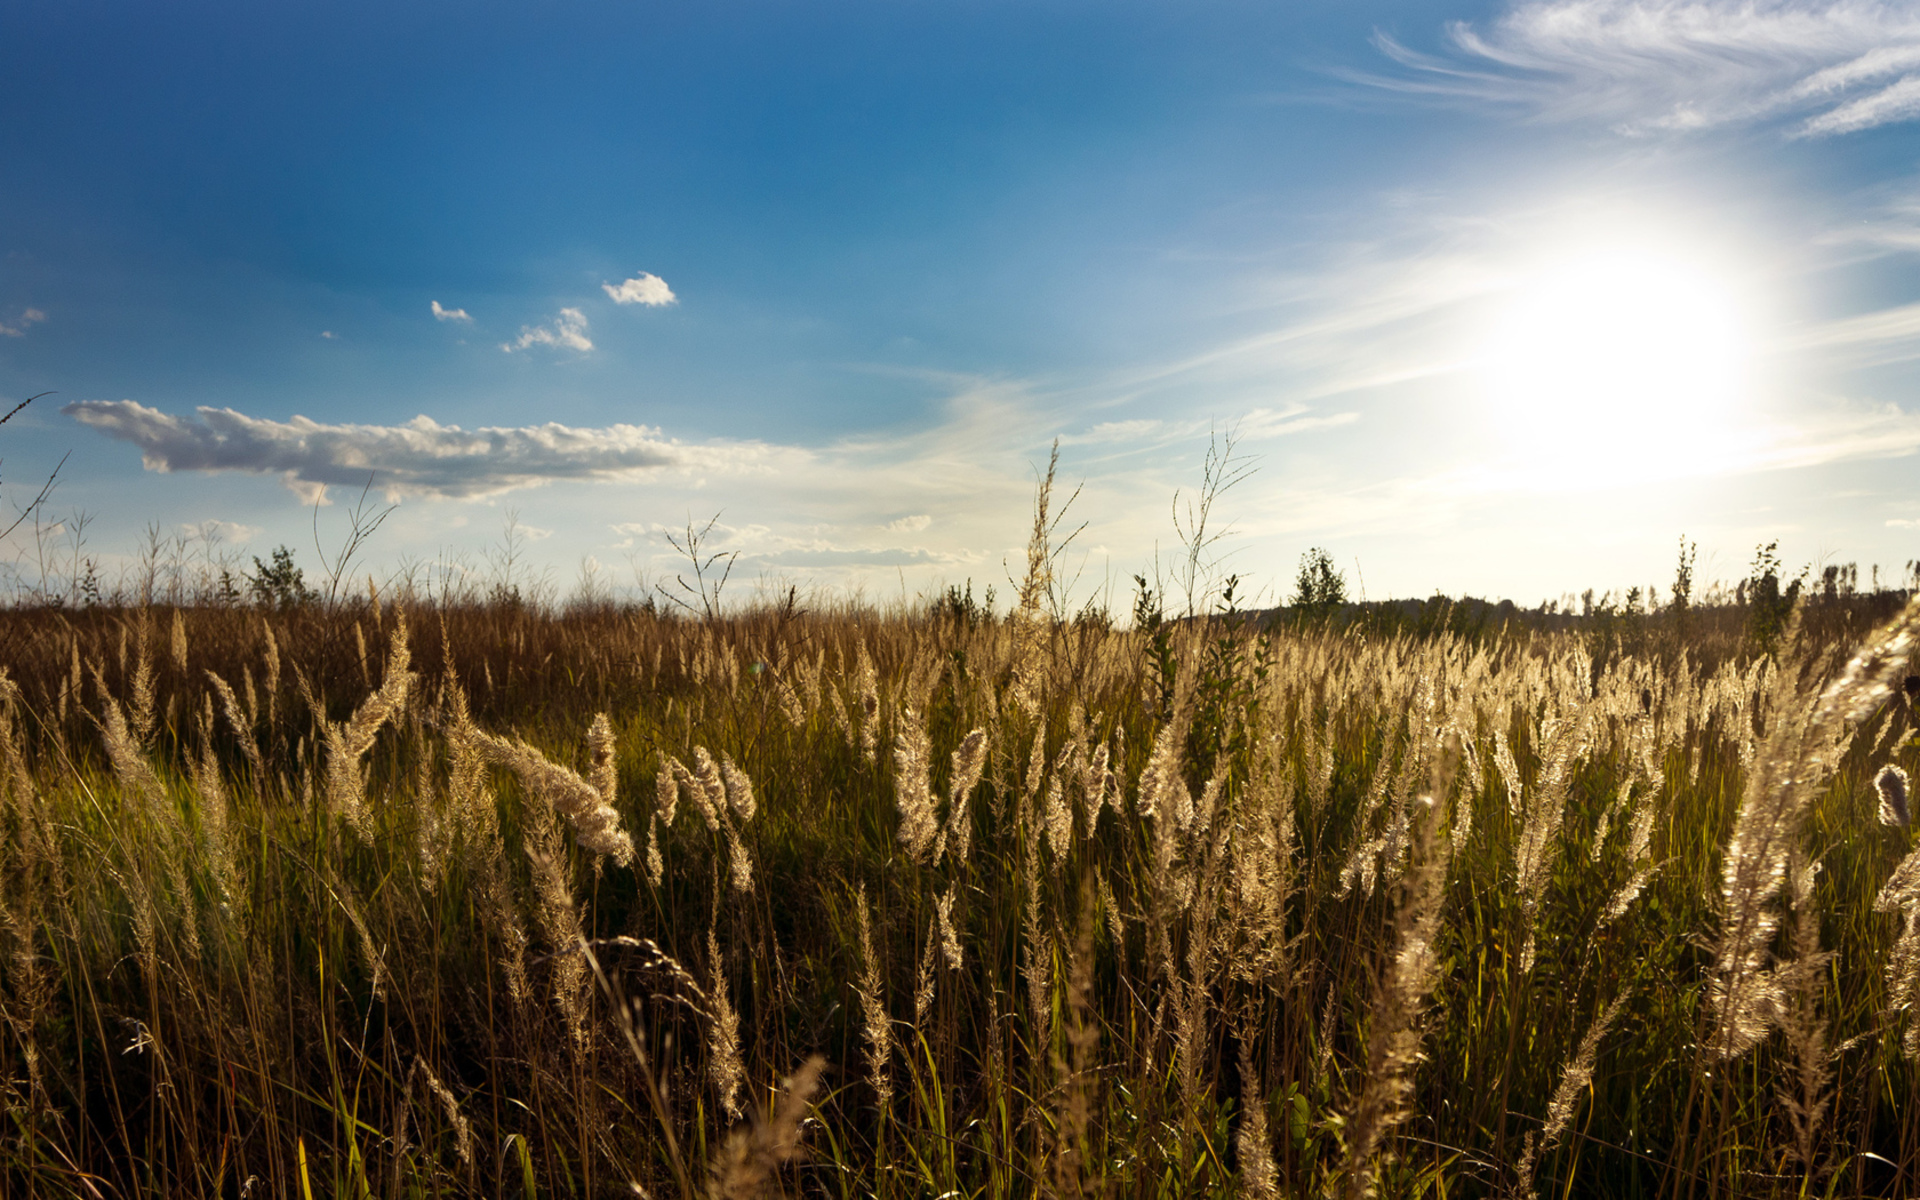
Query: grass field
<point x="390" y="898"/>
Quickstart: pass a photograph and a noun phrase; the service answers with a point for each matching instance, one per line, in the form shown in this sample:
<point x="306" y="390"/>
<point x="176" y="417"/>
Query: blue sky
<point x="1501" y="300"/>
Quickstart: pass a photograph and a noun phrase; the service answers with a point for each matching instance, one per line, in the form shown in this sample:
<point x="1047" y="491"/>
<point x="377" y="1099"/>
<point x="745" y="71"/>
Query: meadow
<point x="396" y="896"/>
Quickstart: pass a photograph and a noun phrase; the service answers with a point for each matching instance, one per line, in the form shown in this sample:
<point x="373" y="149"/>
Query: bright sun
<point x="1615" y="365"/>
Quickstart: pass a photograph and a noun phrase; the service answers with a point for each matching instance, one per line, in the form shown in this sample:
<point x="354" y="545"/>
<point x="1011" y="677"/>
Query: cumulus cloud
<point x="28" y="317"/>
<point x="450" y="314"/>
<point x="644" y="288"/>
<point x="328" y="334"/>
<point x="916" y="523"/>
<point x="1820" y="67"/>
<point x="568" y="329"/>
<point x="419" y="458"/>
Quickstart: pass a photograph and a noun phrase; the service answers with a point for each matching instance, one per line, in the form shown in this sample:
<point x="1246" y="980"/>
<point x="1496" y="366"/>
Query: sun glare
<point x="1615" y="366"/>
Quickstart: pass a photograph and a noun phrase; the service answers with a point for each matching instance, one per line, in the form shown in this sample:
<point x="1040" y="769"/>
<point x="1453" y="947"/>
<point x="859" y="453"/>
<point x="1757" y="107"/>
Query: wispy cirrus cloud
<point x="567" y="330"/>
<point x="28" y="318"/>
<point x="1815" y="67"/>
<point x="419" y="458"/>
<point x="450" y="314"/>
<point x="644" y="288"/>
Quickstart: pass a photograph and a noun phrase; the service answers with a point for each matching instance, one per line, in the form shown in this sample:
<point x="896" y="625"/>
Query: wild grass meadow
<point x="391" y="896"/>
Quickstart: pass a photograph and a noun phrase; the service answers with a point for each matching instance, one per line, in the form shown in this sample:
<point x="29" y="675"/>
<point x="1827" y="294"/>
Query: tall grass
<point x="403" y="899"/>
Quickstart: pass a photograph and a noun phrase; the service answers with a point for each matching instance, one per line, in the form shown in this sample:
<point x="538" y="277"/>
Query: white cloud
<point x="450" y="314"/>
<point x="328" y="334"/>
<point x="420" y="458"/>
<point x="568" y="329"/>
<point x="216" y="532"/>
<point x="1652" y="66"/>
<point x="914" y="524"/>
<point x="28" y="318"/>
<point x="644" y="288"/>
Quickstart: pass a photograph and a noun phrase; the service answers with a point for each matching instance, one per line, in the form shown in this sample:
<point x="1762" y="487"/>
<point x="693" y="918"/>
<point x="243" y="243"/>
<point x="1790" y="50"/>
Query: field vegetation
<point x="304" y="894"/>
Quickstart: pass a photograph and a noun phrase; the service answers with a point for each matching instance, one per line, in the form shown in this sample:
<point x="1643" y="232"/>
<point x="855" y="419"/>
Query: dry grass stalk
<point x="1805" y="1095"/>
<point x="1798" y="753"/>
<point x="969" y="762"/>
<point x="739" y="789"/>
<point x="1393" y="1042"/>
<point x="242" y="722"/>
<point x="1891" y="786"/>
<point x="876" y="1027"/>
<point x="1076" y="1074"/>
<point x="349" y="743"/>
<point x="869" y="686"/>
<point x="596" y="824"/>
<point x="747" y="1164"/>
<point x="944" y="928"/>
<point x="667" y="783"/>
<point x="912" y="786"/>
<point x="1252" y="1140"/>
<point x="554" y="910"/>
<point x="1574" y="1078"/>
<point x="708" y="790"/>
<point x="724" y="1068"/>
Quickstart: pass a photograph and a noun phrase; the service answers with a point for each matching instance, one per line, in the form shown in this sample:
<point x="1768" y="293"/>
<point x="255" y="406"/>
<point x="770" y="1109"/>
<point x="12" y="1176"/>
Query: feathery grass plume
<point x="790" y="705"/>
<point x="1509" y="771"/>
<point x="270" y="654"/>
<point x="750" y="1159"/>
<point x="1574" y="1078"/>
<point x="667" y="782"/>
<point x="1163" y="789"/>
<point x="1901" y="893"/>
<point x="1393" y="1041"/>
<point x="214" y="805"/>
<point x="1804" y="1095"/>
<point x="242" y="725"/>
<point x="1059" y="822"/>
<point x="375" y="961"/>
<point x="1096" y="788"/>
<point x="434" y="826"/>
<point x="141" y="714"/>
<point x="709" y="791"/>
<point x="1252" y="1141"/>
<point x="869" y="685"/>
<point x="1036" y="771"/>
<point x="1798" y="753"/>
<point x="604" y="773"/>
<point x="553" y="909"/>
<point x="912" y="789"/>
<point x="462" y="1129"/>
<point x="178" y="643"/>
<point x="724" y="1068"/>
<point x="349" y="743"/>
<point x="923" y="981"/>
<point x="739" y="789"/>
<point x="1543" y="811"/>
<point x="969" y="761"/>
<point x="1891" y="784"/>
<point x="1039" y="947"/>
<point x="1639" y="844"/>
<point x="1076" y="1074"/>
<point x="160" y="835"/>
<point x="943" y="925"/>
<point x="36" y="844"/>
<point x="596" y="826"/>
<point x="739" y="861"/>
<point x="876" y="1027"/>
<point x="656" y="865"/>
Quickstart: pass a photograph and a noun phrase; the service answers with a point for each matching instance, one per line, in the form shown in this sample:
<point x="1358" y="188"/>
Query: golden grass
<point x="359" y="893"/>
